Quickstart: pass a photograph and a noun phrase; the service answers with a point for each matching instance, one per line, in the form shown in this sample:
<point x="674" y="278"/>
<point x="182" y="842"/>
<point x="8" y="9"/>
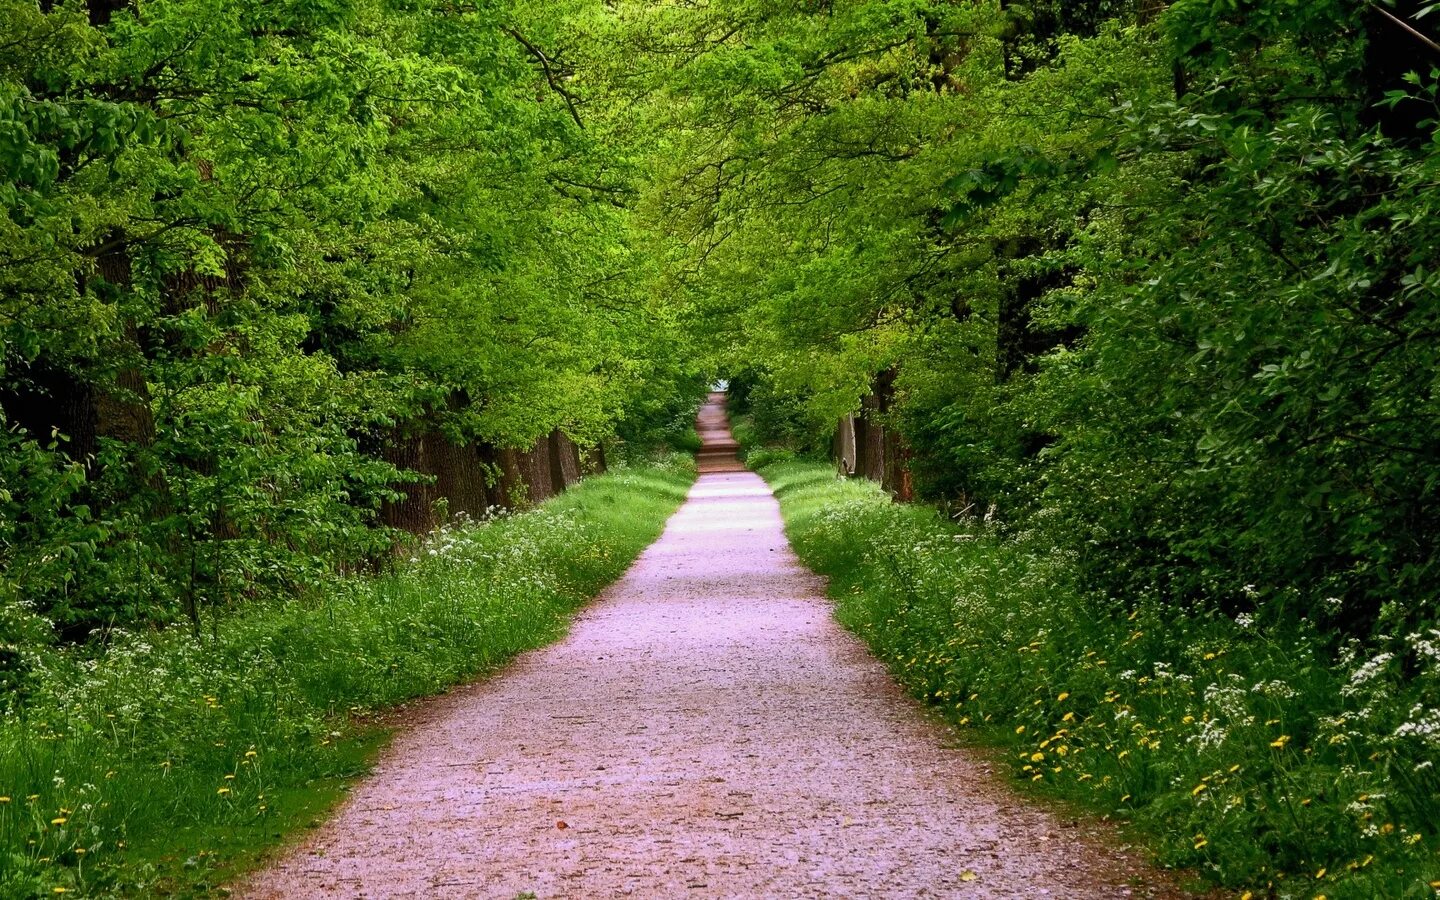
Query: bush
<point x="164" y="745"/>
<point x="1233" y="744"/>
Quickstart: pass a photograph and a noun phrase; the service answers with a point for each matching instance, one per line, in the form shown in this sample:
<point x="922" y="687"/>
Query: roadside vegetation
<point x="1145" y="296"/>
<point x="1230" y="742"/>
<point x="165" y="763"/>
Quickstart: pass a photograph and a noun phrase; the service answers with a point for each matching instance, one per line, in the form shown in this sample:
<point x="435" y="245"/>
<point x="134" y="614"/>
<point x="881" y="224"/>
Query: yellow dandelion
<point x="1068" y="717"/>
<point x="1037" y="756"/>
<point x="223" y="790"/>
<point x="1019" y="729"/>
<point x="1280" y="742"/>
<point x="1064" y="695"/>
<point x="59" y="820"/>
<point x="1199" y="788"/>
<point x="1124" y="798"/>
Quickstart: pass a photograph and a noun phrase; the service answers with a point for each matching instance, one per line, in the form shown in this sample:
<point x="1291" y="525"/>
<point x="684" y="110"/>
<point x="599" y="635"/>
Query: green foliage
<point x="165" y="747"/>
<point x="247" y="247"/>
<point x="1156" y="283"/>
<point x="1226" y="741"/>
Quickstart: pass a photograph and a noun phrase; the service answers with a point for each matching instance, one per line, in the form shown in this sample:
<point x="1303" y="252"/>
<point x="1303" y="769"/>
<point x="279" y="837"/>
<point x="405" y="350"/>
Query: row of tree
<point x="259" y="260"/>
<point x="1161" y="279"/>
<point x="1158" y="277"/>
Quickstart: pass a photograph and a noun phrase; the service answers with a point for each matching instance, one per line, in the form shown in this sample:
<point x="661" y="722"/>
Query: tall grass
<point x="166" y="762"/>
<point x="1250" y="751"/>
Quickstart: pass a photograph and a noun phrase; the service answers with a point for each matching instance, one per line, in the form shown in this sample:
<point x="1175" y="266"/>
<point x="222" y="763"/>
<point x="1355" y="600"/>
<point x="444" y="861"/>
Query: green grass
<point x="685" y="441"/>
<point x="1236" y="749"/>
<point x="169" y="764"/>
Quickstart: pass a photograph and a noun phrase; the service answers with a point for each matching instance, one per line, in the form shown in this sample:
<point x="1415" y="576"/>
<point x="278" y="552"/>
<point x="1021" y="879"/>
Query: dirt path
<point x="706" y="730"/>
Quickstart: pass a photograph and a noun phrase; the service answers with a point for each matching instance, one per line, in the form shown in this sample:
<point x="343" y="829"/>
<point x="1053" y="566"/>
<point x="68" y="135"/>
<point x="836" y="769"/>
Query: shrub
<point x="1234" y="743"/>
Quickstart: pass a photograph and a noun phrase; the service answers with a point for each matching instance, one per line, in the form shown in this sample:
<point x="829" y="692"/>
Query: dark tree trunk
<point x="897" y="480"/>
<point x="874" y="452"/>
<point x="459" y="477"/>
<point x="506" y="485"/>
<point x="535" y="470"/>
<point x="843" y="448"/>
<point x="564" y="461"/>
<point x="415" y="511"/>
<point x="592" y="460"/>
<point x="101" y="11"/>
<point x="50" y="401"/>
<point x="862" y="443"/>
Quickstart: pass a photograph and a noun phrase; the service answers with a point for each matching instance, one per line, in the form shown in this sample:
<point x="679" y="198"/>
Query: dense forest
<point x="1144" y="295"/>
<point x="258" y="260"/>
<point x="1144" y="292"/>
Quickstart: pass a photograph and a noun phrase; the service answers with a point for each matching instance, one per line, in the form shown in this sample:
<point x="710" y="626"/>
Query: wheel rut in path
<point x="705" y="730"/>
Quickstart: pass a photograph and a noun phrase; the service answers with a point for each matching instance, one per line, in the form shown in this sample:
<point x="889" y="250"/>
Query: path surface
<point x="706" y="730"/>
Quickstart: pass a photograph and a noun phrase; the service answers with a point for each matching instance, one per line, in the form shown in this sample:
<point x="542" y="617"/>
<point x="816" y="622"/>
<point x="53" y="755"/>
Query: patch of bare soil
<point x="706" y="730"/>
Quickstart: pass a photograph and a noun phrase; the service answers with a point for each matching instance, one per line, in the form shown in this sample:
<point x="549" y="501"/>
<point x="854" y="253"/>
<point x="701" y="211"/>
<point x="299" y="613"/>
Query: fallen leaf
<point x="968" y="875"/>
<point x="562" y="824"/>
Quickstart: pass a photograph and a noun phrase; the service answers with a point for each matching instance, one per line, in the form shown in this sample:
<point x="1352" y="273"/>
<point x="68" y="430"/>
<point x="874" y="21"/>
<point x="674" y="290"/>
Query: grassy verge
<point x="169" y="764"/>
<point x="1233" y="747"/>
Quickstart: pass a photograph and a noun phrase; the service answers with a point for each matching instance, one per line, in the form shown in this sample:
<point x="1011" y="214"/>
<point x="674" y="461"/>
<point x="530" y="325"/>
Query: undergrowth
<point x="1256" y="753"/>
<point x="167" y="763"/>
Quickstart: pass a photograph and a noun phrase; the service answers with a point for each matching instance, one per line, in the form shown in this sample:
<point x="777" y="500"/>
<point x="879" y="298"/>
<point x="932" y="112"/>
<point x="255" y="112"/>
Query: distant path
<point x="706" y="730"/>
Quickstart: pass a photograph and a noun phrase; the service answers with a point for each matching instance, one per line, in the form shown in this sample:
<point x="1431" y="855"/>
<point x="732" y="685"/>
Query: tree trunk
<point x="874" y="455"/>
<point x="564" y="461"/>
<point x="897" y="480"/>
<point x="459" y="478"/>
<point x="592" y="460"/>
<point x="506" y="484"/>
<point x="535" y="470"/>
<point x="415" y="511"/>
<point x="843" y="448"/>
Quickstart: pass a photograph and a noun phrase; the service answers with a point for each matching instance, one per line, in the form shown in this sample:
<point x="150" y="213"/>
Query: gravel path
<point x="706" y="730"/>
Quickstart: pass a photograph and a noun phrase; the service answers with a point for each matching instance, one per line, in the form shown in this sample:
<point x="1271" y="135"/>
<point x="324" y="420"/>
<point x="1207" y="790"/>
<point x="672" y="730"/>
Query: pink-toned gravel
<point x="706" y="730"/>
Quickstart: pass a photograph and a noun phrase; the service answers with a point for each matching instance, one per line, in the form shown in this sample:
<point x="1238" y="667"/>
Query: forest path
<point x="706" y="730"/>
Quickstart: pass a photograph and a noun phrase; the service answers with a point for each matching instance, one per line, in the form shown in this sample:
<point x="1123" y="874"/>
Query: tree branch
<point x="547" y="66"/>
